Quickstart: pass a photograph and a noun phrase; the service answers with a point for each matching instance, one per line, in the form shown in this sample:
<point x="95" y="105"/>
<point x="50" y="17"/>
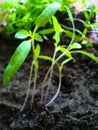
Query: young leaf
<point x="65" y="51"/>
<point x="37" y="37"/>
<point x="45" y="57"/>
<point x="22" y="34"/>
<point x="69" y="13"/>
<point x="44" y="17"/>
<point x="90" y="55"/>
<point x="46" y="31"/>
<point x="66" y="61"/>
<point x="57" y="29"/>
<point x="16" y="61"/>
<point x="75" y="46"/>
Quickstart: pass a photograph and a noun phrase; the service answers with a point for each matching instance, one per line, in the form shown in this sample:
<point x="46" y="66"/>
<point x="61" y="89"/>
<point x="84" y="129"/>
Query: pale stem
<point x="58" y="90"/>
<point x="28" y="88"/>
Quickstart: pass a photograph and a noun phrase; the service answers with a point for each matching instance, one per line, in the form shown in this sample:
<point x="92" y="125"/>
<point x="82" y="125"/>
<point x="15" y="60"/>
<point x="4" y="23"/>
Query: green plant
<point x="62" y="53"/>
<point x="18" y="15"/>
<point x="21" y="52"/>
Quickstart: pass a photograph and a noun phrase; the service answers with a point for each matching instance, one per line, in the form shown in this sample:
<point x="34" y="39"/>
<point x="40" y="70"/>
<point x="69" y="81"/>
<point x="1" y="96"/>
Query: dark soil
<point x="75" y="108"/>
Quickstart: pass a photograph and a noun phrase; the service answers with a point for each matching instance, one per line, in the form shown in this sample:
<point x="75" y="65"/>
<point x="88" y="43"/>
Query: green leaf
<point x="44" y="17"/>
<point x="94" y="24"/>
<point x="37" y="37"/>
<point x="13" y="17"/>
<point x="45" y="57"/>
<point x="46" y="31"/>
<point x="95" y="10"/>
<point x="22" y="34"/>
<point x="26" y="17"/>
<point x="69" y="13"/>
<point x="9" y="28"/>
<point x="16" y="61"/>
<point x="75" y="46"/>
<point x="84" y="42"/>
<point x="57" y="29"/>
<point x="90" y="55"/>
<point x="66" y="61"/>
<point x="65" y="51"/>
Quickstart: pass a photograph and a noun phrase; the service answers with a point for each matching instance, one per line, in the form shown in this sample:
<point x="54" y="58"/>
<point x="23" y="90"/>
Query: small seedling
<point x="60" y="51"/>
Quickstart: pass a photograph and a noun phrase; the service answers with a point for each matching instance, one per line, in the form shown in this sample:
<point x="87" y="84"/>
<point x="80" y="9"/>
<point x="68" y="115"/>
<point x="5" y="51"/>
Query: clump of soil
<point x="75" y="108"/>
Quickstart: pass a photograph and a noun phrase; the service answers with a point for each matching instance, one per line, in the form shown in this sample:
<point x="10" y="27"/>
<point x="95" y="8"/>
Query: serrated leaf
<point x="16" y="61"/>
<point x="44" y="17"/>
<point x="22" y="34"/>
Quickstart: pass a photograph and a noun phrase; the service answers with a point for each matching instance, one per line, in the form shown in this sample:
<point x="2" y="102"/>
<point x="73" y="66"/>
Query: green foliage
<point x="45" y="16"/>
<point x="22" y="34"/>
<point x="18" y="15"/>
<point x="90" y="55"/>
<point x="16" y="61"/>
<point x="38" y="14"/>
